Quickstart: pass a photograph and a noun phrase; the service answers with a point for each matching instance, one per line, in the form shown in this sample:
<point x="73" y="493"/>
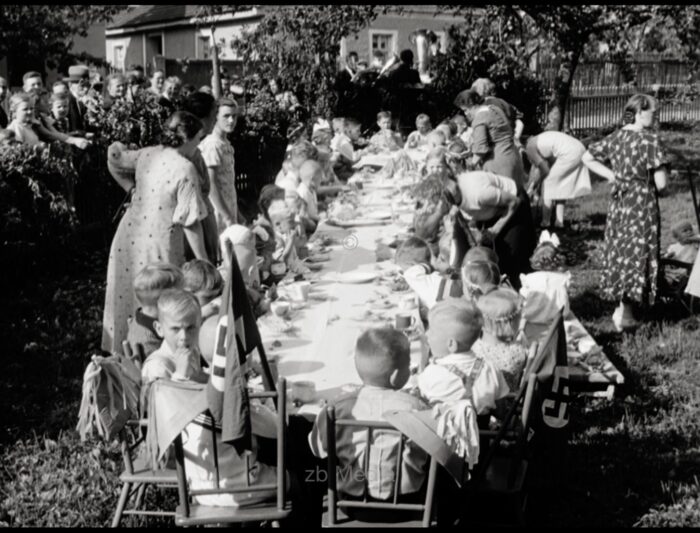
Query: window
<point x="204" y="46"/>
<point x="119" y="57"/>
<point x="442" y="40"/>
<point x="155" y="44"/>
<point x="383" y="41"/>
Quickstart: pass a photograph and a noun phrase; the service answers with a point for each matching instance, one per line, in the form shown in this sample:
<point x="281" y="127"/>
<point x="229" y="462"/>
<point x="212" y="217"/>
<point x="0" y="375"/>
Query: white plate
<point x="379" y="215"/>
<point x="355" y="277"/>
<point x="354" y="222"/>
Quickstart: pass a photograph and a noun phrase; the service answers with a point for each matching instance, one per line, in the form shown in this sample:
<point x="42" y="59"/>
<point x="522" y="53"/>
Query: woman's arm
<point x="597" y="167"/>
<point x="512" y="204"/>
<point x="195" y="238"/>
<point x="217" y="200"/>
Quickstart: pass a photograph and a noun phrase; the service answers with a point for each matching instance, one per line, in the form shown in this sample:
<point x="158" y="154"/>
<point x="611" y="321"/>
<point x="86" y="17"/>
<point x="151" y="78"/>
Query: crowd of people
<point x="473" y="235"/>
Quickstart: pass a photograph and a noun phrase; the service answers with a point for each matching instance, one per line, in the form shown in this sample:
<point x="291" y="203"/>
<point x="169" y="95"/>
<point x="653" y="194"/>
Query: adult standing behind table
<point x="166" y="203"/>
<point x="637" y="170"/>
<point x="556" y="165"/>
<point x="502" y="211"/>
<point x="4" y="91"/>
<point x="492" y="137"/>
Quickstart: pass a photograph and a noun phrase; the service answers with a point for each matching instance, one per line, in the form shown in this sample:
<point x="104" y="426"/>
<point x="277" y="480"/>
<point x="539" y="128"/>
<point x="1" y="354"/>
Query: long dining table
<point x="317" y="345"/>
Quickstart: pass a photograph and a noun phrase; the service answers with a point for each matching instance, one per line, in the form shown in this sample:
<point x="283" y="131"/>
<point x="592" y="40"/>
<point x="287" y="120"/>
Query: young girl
<point x="22" y="111"/>
<point x="501" y="310"/>
<point x="218" y="155"/>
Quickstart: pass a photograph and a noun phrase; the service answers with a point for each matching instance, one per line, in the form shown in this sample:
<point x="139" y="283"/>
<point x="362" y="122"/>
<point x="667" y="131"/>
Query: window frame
<point x="394" y="41"/>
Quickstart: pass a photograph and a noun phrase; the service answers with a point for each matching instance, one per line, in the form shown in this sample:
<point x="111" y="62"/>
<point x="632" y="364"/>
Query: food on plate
<point x="398" y="284"/>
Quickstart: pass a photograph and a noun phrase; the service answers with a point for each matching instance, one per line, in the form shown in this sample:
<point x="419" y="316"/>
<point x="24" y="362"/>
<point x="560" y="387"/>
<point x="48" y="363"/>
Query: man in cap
<point x="78" y="83"/>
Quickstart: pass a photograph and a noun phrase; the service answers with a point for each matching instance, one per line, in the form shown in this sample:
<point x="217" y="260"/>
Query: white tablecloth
<point x="321" y="346"/>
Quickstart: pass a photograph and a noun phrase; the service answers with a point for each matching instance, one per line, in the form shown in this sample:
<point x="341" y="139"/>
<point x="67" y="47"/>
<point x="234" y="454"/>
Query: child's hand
<point x="211" y="309"/>
<point x="185" y="362"/>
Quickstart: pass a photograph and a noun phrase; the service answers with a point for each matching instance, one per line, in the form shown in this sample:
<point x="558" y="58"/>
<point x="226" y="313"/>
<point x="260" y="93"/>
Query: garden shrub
<point x="33" y="185"/>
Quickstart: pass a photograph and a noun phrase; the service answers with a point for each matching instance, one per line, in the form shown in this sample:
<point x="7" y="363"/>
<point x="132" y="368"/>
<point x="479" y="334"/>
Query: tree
<point x="208" y="14"/>
<point x="301" y="44"/>
<point x="489" y="43"/>
<point x="43" y="34"/>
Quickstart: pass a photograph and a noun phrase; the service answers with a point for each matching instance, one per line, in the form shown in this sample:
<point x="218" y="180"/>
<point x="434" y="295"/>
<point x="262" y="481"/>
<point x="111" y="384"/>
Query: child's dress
<point x="509" y="358"/>
<point x="219" y="155"/>
<point x="24" y="134"/>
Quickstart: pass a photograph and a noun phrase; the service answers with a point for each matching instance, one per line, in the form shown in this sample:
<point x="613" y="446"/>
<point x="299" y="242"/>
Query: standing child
<point x="22" y="124"/>
<point x="149" y="283"/>
<point x="218" y="154"/>
<point x="59" y="112"/>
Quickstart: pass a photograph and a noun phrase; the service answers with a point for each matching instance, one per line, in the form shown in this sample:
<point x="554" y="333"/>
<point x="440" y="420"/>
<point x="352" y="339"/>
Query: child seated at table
<point x="480" y="272"/>
<point x="449" y="128"/>
<point x="149" y="284"/>
<point x="385" y="140"/>
<point x="286" y="238"/>
<point x="343" y="156"/>
<point x="464" y="131"/>
<point x="288" y="176"/>
<point x="178" y="359"/>
<point x="382" y="359"/>
<point x="310" y="176"/>
<point x="456" y="372"/>
<point x="436" y="139"/>
<point x="265" y="244"/>
<point x="321" y="139"/>
<point x="501" y="310"/>
<point x="419" y="138"/>
<point x="204" y="281"/>
<point x="178" y="323"/>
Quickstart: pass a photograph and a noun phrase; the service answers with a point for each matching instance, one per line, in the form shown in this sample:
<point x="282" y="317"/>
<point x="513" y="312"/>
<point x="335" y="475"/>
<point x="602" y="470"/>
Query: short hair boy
<point x="149" y="284"/>
<point x="456" y="373"/>
<point x="202" y="279"/>
<point x="178" y="323"/>
<point x="382" y="360"/>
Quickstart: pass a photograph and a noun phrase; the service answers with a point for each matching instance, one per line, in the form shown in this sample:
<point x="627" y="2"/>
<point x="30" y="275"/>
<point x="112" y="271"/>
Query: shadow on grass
<point x="615" y="468"/>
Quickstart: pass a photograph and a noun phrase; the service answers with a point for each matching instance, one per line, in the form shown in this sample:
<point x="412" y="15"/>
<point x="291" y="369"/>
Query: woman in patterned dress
<point x="166" y="203"/>
<point x="637" y="169"/>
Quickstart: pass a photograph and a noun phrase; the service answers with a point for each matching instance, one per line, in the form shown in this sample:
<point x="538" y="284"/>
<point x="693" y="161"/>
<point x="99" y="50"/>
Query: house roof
<point x="153" y="14"/>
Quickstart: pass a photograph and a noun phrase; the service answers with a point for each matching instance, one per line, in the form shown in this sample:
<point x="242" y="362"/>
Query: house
<point x="172" y="31"/>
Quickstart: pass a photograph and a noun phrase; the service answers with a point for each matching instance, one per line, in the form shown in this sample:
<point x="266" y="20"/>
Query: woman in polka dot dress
<point x="166" y="201"/>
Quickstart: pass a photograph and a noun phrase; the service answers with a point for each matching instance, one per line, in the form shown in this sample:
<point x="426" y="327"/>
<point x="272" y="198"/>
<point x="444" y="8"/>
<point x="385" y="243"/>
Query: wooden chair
<point x="417" y="514"/>
<point x="503" y="465"/>
<point x="138" y="475"/>
<point x="136" y="353"/>
<point x="190" y="513"/>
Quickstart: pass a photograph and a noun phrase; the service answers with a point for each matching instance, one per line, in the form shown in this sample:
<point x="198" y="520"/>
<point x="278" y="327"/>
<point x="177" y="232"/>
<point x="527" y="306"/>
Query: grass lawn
<point x="633" y="460"/>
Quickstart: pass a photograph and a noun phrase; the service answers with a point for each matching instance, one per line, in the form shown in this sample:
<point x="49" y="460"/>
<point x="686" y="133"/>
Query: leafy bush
<point x="33" y="184"/>
<point x="137" y="123"/>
